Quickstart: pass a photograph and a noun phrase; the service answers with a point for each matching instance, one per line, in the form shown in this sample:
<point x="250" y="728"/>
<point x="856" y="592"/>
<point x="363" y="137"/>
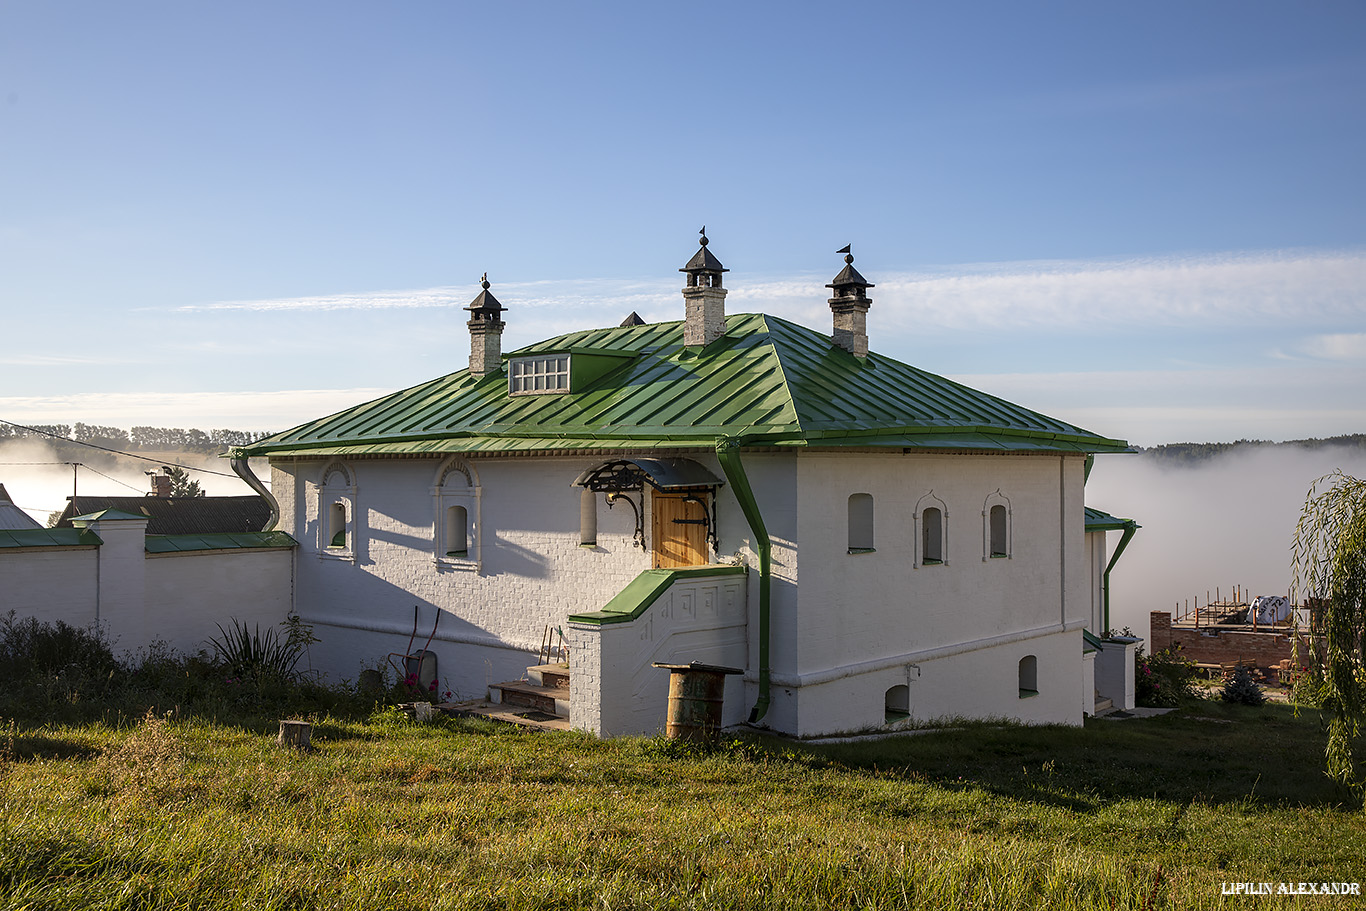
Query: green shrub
<point x="1164" y="679"/>
<point x="1242" y="689"/>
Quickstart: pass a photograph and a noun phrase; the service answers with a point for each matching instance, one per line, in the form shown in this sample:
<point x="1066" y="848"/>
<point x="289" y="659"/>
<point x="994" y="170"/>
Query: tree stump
<point x="295" y="735"/>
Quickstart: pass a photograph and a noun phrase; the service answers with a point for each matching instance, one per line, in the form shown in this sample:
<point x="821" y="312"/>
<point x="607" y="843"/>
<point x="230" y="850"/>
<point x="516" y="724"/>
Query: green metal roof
<point x="240" y="540"/>
<point x="106" y="514"/>
<point x="1103" y="521"/>
<point x="48" y="537"/>
<point x="767" y="382"/>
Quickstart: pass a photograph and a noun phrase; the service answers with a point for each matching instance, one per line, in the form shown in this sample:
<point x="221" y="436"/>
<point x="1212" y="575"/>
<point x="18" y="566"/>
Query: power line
<point x="58" y="436"/>
<point x="115" y="480"/>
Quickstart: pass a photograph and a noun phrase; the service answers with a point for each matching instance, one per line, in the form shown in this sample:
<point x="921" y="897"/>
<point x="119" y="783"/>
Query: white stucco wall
<point x="864" y="617"/>
<point x="53" y="583"/>
<point x="526" y="568"/>
<point x="1095" y="562"/>
<point x="614" y="687"/>
<point x="137" y="598"/>
<point x="189" y="594"/>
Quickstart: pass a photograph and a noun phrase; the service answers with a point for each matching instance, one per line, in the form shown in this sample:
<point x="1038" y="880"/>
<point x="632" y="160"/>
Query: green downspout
<point x="1129" y="528"/>
<point x="728" y="453"/>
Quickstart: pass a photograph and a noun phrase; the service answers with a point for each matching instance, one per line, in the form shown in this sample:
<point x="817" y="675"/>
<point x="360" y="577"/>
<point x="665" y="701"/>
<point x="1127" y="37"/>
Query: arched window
<point x="337" y="522"/>
<point x="897" y="703"/>
<point x="455" y="493"/>
<point x="588" y="518"/>
<point x="336" y="525"/>
<point x="998" y="531"/>
<point x="931" y="539"/>
<point x="932" y="535"/>
<point x="860" y="523"/>
<point x="1029" y="676"/>
<point x="457" y="531"/>
<point x="996" y="527"/>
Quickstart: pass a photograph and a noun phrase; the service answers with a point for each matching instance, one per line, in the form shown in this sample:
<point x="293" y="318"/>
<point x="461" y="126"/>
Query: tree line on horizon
<point x="1197" y="453"/>
<point x="141" y="438"/>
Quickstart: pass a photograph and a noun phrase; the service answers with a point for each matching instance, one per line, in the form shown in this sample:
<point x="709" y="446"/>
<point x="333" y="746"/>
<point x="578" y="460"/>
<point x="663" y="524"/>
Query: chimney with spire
<point x="850" y="306"/>
<point x="486" y="332"/>
<point x="704" y="298"/>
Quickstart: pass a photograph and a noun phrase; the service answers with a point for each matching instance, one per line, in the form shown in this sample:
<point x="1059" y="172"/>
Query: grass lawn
<point x="1152" y="813"/>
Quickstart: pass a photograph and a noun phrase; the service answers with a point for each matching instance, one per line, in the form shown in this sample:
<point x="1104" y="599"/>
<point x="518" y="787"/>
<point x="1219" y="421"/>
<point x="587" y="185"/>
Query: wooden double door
<point x="678" y="527"/>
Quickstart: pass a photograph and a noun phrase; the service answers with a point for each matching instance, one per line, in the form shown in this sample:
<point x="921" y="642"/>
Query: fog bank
<point x="1228" y="521"/>
<point x="39" y="487"/>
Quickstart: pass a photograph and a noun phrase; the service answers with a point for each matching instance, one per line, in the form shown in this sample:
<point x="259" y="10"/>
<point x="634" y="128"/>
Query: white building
<point x="872" y="544"/>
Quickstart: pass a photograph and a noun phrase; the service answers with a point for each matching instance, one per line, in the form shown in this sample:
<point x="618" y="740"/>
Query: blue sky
<point x="1149" y="219"/>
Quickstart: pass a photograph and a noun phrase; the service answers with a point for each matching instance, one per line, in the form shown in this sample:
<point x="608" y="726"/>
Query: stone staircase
<point x="541" y="701"/>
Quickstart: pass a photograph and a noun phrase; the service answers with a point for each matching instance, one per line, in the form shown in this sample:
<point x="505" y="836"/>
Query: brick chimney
<point x="704" y="298"/>
<point x="161" y="483"/>
<point x="850" y="307"/>
<point x="486" y="332"/>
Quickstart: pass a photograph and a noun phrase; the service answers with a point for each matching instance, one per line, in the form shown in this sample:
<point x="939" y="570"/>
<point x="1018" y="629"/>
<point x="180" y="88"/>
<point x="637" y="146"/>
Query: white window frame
<point x="542" y="374"/>
<point x="993" y="500"/>
<point x="337" y="487"/>
<point x="930" y="501"/>
<point x="456" y="483"/>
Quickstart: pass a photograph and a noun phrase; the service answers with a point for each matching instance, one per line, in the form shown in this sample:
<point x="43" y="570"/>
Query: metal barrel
<point x="695" y="704"/>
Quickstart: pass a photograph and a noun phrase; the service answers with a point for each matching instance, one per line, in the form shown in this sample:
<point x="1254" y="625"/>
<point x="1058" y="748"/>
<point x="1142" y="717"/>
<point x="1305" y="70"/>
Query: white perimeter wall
<point x="139" y="598"/>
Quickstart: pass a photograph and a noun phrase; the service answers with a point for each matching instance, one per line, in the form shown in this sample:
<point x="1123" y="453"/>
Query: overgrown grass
<point x="157" y="784"/>
<point x="1156" y="813"/>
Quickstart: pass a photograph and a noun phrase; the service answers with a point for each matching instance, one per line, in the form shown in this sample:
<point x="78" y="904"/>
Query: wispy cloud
<point x="1230" y="290"/>
<point x="1340" y="346"/>
<point x="12" y="359"/>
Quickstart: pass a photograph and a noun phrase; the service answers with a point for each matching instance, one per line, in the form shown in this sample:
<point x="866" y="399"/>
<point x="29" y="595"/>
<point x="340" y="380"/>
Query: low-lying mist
<point x="1226" y="521"/>
<point x="39" y="487"/>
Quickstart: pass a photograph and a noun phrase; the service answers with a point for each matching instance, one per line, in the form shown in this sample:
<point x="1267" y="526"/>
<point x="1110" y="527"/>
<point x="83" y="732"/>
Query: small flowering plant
<point x="1163" y="679"/>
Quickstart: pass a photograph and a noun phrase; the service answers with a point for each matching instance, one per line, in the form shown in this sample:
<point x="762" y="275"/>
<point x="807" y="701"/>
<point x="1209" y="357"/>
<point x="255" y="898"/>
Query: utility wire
<point x="57" y="436"/>
<point x="115" y="480"/>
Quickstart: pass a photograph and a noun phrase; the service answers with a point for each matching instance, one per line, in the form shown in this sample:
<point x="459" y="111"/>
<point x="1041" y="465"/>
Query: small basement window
<point x="897" y="703"/>
<point x="1029" y="676"/>
<point x="538" y="375"/>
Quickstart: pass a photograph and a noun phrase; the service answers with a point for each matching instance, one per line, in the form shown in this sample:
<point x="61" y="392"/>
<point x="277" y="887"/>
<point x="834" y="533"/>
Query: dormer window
<point x="538" y="375"/>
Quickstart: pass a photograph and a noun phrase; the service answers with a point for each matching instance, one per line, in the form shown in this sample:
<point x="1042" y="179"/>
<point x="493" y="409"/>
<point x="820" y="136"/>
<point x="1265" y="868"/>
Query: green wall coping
<point x="645" y="589"/>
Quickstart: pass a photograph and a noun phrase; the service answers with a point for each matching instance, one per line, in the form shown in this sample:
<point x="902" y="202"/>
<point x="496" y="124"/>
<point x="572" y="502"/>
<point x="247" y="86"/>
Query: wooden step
<point x="548" y="699"/>
<point x="1104" y="705"/>
<point x="555" y="676"/>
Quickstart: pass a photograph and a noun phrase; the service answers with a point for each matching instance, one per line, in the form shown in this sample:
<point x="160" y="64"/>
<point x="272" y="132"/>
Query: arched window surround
<point x="456" y="484"/>
<point x="998" y="527"/>
<point x="928" y="502"/>
<point x="338" y="516"/>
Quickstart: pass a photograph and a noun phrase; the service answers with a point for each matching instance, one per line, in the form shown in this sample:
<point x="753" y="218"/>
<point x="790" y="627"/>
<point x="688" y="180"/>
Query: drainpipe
<point x="243" y="471"/>
<point x="728" y="453"/>
<point x="1129" y="528"/>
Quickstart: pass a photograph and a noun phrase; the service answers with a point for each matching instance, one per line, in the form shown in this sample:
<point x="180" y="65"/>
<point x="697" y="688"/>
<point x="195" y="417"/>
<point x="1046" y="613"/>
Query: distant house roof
<point x="766" y="382"/>
<point x="179" y="515"/>
<point x="11" y="516"/>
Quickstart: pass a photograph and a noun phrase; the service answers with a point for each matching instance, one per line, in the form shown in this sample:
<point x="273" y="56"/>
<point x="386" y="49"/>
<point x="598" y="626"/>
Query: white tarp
<point x="1270" y="608"/>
